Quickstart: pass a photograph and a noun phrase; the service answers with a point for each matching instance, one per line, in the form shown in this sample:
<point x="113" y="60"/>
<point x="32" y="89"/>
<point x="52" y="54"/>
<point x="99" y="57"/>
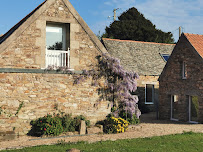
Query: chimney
<point x="180" y="31"/>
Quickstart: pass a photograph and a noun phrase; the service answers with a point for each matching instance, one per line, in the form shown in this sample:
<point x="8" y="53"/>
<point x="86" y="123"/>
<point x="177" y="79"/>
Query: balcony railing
<point x="58" y="58"/>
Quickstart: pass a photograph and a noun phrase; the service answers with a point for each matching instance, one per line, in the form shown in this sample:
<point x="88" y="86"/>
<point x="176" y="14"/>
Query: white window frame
<point x="194" y="122"/>
<point x="183" y="70"/>
<point x="173" y="96"/>
<point x="146" y="94"/>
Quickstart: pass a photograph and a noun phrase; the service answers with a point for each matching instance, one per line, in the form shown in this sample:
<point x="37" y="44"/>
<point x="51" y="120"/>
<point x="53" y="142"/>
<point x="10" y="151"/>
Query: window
<point x="174" y="107"/>
<point x="149" y="94"/>
<point x="57" y="45"/>
<point x="193" y="109"/>
<point x="183" y="70"/>
<point x="165" y="57"/>
<point x="56" y="37"/>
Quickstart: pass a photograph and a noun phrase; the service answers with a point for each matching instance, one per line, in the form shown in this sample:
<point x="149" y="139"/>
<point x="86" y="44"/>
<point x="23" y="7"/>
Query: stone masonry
<point x="28" y="50"/>
<point x="40" y="93"/>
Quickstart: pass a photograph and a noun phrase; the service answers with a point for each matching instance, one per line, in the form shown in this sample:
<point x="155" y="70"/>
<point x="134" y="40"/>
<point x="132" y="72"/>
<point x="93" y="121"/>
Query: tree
<point x="132" y="25"/>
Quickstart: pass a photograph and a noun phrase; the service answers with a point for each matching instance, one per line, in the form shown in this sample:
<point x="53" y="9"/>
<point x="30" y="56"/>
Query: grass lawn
<point x="187" y="142"/>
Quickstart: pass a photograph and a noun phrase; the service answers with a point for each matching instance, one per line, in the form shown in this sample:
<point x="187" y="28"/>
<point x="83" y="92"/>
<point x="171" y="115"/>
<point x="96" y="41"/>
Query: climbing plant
<point x="119" y="85"/>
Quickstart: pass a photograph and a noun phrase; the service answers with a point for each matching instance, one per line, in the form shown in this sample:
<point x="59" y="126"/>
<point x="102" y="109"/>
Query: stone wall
<point x="28" y="50"/>
<point x="141" y="84"/>
<point x="39" y="94"/>
<point x="171" y="82"/>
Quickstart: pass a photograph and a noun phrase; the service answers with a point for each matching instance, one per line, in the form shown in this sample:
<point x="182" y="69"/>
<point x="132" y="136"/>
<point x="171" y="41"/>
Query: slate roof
<point x="141" y="57"/>
<point x="196" y="41"/>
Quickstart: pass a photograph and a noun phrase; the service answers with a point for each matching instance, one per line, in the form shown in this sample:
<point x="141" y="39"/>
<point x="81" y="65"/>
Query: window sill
<point x="149" y="103"/>
<point x="174" y="119"/>
<point x="193" y="122"/>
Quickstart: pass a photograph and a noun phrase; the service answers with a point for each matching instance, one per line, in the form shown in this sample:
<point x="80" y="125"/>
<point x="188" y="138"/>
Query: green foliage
<point x="194" y="106"/>
<point x="1" y="110"/>
<point x="19" y="108"/>
<point x="132" y="25"/>
<point x="54" y="125"/>
<point x="48" y="125"/>
<point x="132" y="120"/>
<point x="115" y="125"/>
<point x="67" y="122"/>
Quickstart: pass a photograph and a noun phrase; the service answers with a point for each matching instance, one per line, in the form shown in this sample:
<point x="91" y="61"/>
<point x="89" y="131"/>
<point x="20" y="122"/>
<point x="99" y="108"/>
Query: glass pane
<point x="174" y="107"/>
<point x="165" y="56"/>
<point x="149" y="92"/>
<point x="54" y="37"/>
<point x="194" y="108"/>
<point x="183" y="70"/>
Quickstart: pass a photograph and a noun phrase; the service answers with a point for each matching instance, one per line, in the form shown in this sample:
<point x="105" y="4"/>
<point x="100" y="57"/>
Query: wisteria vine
<point x="119" y="84"/>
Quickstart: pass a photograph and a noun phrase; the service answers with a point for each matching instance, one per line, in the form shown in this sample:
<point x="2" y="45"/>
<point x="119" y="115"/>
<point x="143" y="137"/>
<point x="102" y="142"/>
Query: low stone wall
<point x="28" y="96"/>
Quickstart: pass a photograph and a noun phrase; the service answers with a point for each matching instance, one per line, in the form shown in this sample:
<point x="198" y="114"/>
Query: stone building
<point x="53" y="34"/>
<point x="181" y="82"/>
<point x="148" y="60"/>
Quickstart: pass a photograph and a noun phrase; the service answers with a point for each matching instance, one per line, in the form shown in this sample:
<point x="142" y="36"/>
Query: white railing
<point x="58" y="58"/>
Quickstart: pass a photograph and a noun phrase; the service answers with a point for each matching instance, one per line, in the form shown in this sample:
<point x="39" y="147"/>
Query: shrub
<point x="115" y="125"/>
<point x="132" y="120"/>
<point x="67" y="122"/>
<point x="54" y="125"/>
<point x="47" y="125"/>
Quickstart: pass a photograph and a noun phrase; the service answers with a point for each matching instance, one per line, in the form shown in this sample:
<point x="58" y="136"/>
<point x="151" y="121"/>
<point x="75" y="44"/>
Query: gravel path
<point x="148" y="128"/>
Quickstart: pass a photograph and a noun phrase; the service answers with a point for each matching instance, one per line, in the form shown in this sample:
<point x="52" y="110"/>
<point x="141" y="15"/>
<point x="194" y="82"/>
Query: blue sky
<point x="167" y="15"/>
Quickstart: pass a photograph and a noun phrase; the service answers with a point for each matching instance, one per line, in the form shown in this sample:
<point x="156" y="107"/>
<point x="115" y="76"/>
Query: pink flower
<point x="45" y="129"/>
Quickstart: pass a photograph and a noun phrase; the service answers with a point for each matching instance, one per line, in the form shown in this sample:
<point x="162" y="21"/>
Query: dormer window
<point x="183" y="70"/>
<point x="57" y="45"/>
<point x="56" y="37"/>
<point x="165" y="57"/>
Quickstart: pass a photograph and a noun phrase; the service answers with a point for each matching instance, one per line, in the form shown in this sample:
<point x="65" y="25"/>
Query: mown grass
<point x="187" y="142"/>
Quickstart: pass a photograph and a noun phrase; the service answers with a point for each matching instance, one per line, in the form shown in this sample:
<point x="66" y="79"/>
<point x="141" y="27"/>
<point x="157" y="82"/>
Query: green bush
<point x="67" y="122"/>
<point x="47" y="125"/>
<point x="54" y="125"/>
<point x="132" y="120"/>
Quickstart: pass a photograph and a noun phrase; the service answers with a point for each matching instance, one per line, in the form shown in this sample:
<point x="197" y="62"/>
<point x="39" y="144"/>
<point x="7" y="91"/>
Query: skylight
<point x="165" y="57"/>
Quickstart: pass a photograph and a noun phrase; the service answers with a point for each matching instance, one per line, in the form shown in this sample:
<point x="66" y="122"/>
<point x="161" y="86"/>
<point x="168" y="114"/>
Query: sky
<point x="167" y="15"/>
